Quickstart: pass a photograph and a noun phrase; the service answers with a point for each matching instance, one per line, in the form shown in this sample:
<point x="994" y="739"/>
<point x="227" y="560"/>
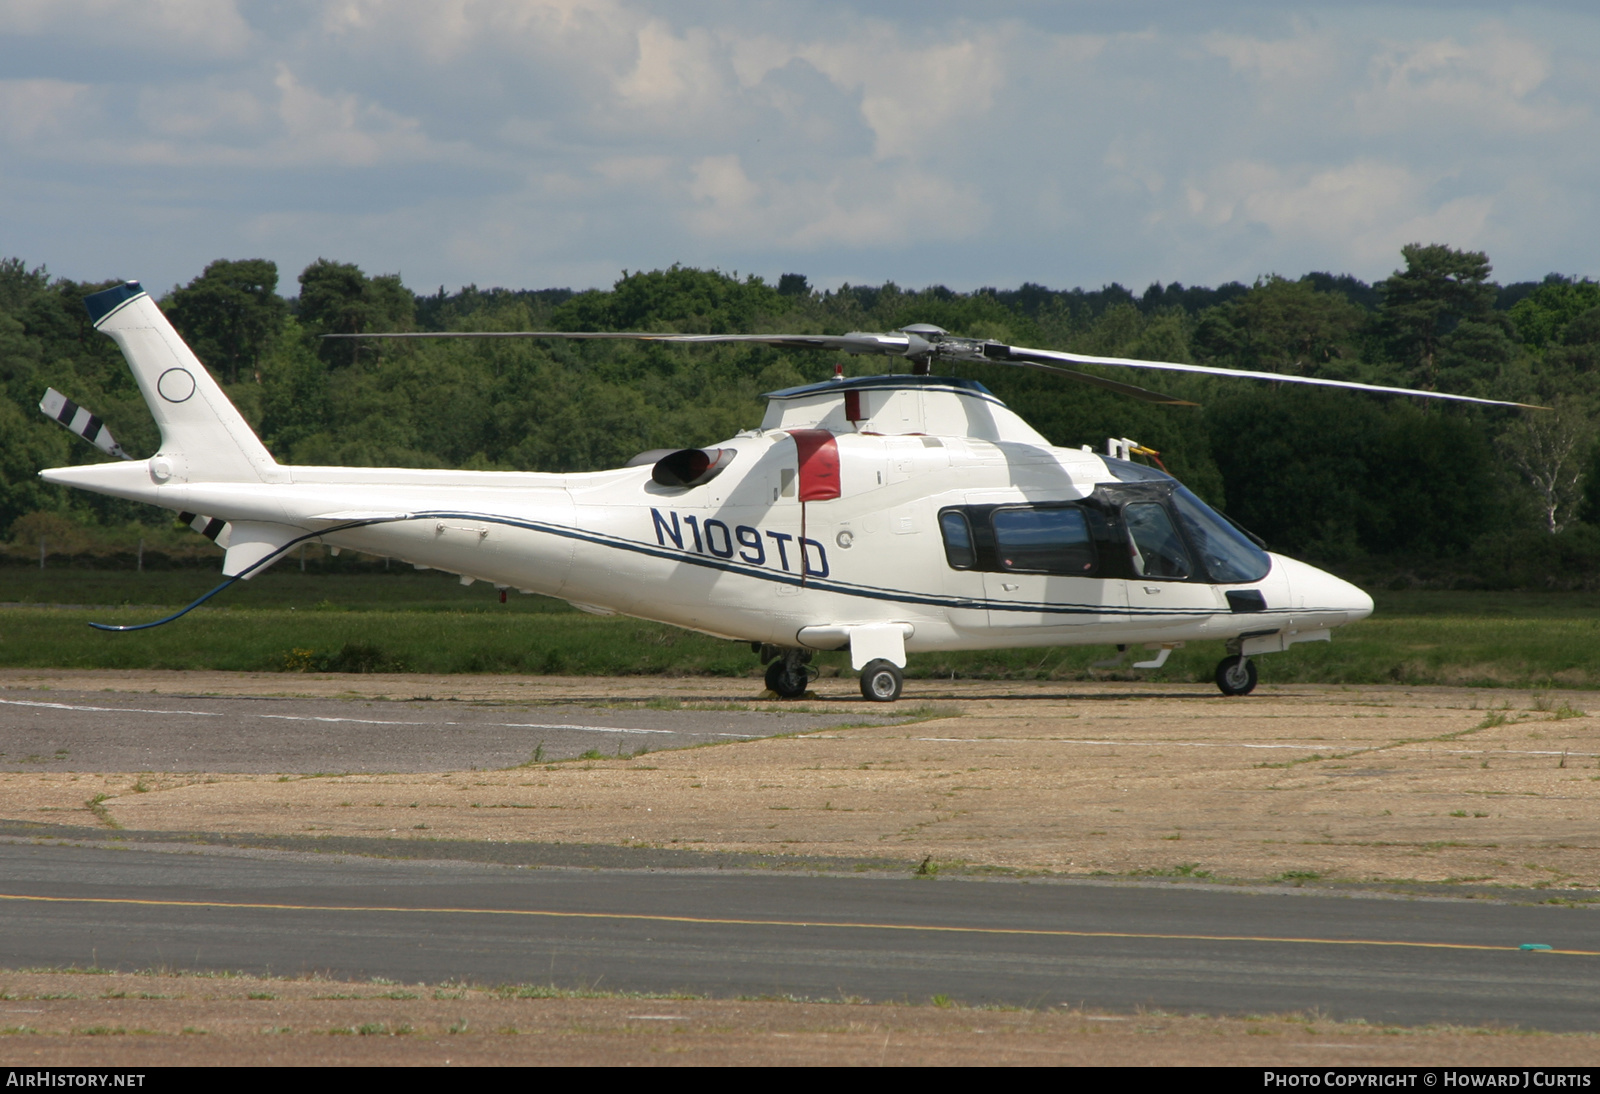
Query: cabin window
<point x="958" y="549"/>
<point x="1054" y="540"/>
<point x="1157" y="549"/>
<point x="1228" y="555"/>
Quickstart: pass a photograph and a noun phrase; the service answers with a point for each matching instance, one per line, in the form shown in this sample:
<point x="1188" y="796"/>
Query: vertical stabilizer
<point x="203" y="437"/>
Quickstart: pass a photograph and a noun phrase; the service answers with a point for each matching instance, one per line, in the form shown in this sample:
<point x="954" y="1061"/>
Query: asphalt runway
<point x="731" y="933"/>
<point x="116" y="731"/>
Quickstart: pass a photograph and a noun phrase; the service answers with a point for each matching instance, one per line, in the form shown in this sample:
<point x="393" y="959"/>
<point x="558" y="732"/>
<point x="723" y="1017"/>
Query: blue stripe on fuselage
<point x="811" y="582"/>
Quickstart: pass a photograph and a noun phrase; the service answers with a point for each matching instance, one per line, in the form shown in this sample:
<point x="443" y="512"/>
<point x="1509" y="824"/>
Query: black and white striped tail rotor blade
<point x="210" y="527"/>
<point x="81" y="421"/>
<point x="1019" y="355"/>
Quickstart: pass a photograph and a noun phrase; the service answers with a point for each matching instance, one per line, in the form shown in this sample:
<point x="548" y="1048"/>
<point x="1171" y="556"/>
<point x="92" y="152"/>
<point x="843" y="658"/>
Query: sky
<point x="543" y="143"/>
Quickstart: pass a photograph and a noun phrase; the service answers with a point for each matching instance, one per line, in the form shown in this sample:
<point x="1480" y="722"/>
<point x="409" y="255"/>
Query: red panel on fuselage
<point x="819" y="464"/>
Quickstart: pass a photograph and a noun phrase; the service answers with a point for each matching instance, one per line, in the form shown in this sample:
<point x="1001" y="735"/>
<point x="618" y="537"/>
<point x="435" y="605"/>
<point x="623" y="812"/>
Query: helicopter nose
<point x="1312" y="589"/>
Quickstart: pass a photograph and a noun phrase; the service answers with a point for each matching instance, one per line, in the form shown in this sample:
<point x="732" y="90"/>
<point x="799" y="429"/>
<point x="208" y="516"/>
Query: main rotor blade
<point x="1143" y="394"/>
<point x="854" y="342"/>
<point x="948" y="348"/>
<point x="1023" y="356"/>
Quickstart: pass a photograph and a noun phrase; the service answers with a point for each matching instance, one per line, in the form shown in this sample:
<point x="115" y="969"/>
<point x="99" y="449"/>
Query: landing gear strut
<point x="787" y="676"/>
<point x="1236" y="675"/>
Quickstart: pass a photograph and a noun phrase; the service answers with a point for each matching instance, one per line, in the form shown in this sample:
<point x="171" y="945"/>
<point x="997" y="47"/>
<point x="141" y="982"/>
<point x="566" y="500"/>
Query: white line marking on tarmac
<point x="365" y="721"/>
<point x="1356" y="750"/>
<point x="1077" y="741"/>
<point x="113" y="710"/>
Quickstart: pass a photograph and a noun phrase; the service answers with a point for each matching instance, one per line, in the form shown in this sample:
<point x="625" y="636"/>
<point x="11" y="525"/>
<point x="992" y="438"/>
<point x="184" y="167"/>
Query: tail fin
<point x="203" y="437"/>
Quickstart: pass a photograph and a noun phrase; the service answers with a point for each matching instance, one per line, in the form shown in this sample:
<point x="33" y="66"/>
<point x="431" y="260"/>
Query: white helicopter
<point x="886" y="515"/>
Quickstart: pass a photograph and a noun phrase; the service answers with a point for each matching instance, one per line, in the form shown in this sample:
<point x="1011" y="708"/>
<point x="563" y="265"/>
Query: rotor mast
<point x="922" y="345"/>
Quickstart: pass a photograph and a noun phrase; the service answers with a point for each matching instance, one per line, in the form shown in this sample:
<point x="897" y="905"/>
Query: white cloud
<point x="914" y="93"/>
<point x="674" y="72"/>
<point x="213" y="109"/>
<point x="533" y="140"/>
<point x="1309" y="56"/>
<point x="213" y="28"/>
<point x="1356" y="215"/>
<point x="30" y="109"/>
<point x="247" y="125"/>
<point x="855" y="206"/>
<point x="1488" y="84"/>
<point x="342" y="129"/>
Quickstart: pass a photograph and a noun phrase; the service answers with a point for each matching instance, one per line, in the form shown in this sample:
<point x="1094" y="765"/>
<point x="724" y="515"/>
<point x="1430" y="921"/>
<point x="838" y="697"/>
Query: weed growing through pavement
<point x="96" y="805"/>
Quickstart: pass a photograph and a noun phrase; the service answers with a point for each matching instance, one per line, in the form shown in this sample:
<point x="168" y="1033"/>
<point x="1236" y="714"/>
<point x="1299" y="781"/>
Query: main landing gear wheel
<point x="881" y="681"/>
<point x="1236" y="675"/>
<point x="787" y="677"/>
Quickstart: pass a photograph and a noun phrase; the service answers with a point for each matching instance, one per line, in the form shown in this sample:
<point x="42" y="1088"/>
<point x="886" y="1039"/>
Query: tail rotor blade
<point x="81" y="421"/>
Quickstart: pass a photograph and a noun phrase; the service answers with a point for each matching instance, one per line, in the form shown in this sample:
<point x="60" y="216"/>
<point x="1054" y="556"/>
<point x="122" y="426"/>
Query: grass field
<point x="406" y="620"/>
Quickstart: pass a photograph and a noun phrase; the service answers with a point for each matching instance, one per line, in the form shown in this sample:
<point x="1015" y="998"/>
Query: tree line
<point x="1376" y="486"/>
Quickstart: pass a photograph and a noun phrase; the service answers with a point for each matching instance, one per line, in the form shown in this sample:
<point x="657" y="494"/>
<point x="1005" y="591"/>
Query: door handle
<point x="1008" y="587"/>
<point x="1152" y="589"/>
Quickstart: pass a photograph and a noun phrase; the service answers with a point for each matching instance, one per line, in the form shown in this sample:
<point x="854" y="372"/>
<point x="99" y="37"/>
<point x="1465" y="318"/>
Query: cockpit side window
<point x="958" y="548"/>
<point x="1158" y="550"/>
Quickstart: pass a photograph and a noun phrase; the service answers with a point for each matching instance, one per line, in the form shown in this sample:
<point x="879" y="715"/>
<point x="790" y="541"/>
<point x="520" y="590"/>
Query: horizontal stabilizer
<point x="78" y="419"/>
<point x="250" y="544"/>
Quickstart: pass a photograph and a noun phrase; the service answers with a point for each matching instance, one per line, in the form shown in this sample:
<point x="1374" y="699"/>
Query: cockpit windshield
<point x="1224" y="550"/>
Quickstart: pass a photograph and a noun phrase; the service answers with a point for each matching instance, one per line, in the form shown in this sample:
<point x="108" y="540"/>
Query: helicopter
<point x="885" y="515"/>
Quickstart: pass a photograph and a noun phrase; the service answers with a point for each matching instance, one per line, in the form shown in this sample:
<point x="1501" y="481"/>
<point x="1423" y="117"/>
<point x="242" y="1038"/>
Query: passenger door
<point x="1044" y="571"/>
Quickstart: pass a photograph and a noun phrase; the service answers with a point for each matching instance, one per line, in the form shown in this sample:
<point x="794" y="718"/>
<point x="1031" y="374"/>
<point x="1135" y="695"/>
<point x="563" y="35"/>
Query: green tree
<point x="1336" y="476"/>
<point x="679" y="298"/>
<point x="1550" y="449"/>
<point x="1541" y="318"/>
<point x="18" y="284"/>
<point x="338" y="298"/>
<point x="230" y="315"/>
<point x="1283" y="326"/>
<point x="1439" y="289"/>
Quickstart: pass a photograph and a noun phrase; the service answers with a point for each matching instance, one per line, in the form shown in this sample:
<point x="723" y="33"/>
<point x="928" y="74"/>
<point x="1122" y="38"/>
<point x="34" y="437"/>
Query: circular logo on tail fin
<point x="175" y="385"/>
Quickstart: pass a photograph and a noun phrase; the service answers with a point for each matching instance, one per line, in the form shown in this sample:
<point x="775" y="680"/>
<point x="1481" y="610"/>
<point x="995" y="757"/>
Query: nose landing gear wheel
<point x="1236" y="675"/>
<point x="881" y="681"/>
